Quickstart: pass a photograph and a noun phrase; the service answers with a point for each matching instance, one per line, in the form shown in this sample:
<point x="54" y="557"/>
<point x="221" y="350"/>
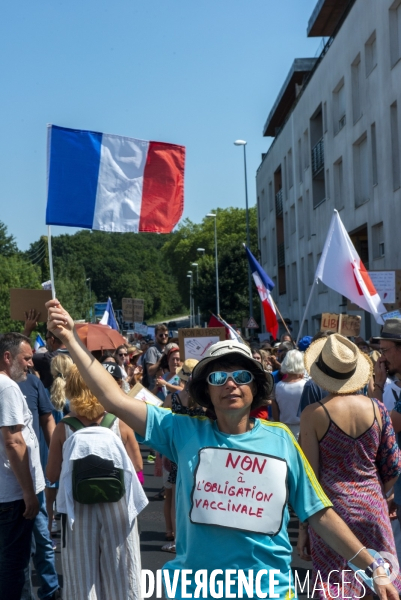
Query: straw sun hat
<point x="337" y="365"/>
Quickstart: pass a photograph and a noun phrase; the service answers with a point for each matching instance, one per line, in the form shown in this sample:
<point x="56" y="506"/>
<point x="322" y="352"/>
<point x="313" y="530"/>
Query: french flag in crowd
<point x="264" y="286"/>
<point x="113" y="183"/>
<point x="39" y="343"/>
<point x="109" y="317"/>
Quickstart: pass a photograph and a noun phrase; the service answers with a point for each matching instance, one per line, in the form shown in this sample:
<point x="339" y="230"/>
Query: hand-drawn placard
<point x="141" y="393"/>
<point x="239" y="490"/>
<point x="349" y="325"/>
<point x="384" y="282"/>
<point x="194" y="342"/>
<point x="329" y="322"/>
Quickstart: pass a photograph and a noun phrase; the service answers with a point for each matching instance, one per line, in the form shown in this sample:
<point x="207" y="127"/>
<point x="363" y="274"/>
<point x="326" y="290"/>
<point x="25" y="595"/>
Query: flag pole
<point x="49" y="243"/>
<point x="306" y="310"/>
<point x="281" y="317"/>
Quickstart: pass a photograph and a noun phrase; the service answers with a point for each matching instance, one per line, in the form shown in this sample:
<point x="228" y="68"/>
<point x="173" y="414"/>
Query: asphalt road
<point x="152" y="531"/>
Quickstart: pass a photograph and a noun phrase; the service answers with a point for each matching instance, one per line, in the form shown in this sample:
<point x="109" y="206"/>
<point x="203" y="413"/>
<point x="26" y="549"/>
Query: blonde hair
<point x="59" y="368"/>
<point x="82" y="401"/>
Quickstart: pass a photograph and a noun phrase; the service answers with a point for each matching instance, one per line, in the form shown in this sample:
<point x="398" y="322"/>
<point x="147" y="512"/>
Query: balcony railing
<point x="318" y="158"/>
<point x="279" y="203"/>
<point x="281" y="255"/>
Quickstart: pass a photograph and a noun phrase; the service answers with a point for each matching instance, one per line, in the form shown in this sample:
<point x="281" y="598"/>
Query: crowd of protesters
<point x="339" y="399"/>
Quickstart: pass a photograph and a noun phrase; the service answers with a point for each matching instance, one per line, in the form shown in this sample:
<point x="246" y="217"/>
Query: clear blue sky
<point x="201" y="74"/>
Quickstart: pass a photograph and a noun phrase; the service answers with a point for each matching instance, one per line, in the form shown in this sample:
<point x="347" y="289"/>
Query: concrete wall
<point x="305" y="226"/>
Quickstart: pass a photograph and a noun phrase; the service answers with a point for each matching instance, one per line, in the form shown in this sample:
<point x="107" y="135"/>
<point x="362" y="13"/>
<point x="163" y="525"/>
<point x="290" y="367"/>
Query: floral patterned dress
<point x="352" y="473"/>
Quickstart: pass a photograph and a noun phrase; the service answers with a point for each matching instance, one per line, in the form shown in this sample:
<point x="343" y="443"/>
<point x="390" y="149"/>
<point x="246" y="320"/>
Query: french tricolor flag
<point x="264" y="286"/>
<point x="113" y="183"/>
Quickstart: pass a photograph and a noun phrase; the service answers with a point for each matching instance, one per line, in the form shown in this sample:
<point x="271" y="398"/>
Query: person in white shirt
<point x="21" y="473"/>
<point x="289" y="390"/>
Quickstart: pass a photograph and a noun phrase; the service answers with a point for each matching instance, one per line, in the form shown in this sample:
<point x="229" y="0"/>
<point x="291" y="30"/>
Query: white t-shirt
<point x="288" y="396"/>
<point x="14" y="411"/>
<point x="391" y="394"/>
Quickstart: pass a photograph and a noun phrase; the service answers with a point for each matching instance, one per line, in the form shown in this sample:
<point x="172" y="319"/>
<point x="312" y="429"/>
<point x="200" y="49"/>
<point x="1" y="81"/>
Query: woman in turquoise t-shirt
<point x="236" y="477"/>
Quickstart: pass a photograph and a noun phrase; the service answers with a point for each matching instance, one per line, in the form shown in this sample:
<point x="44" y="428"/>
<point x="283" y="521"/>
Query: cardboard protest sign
<point x="133" y="309"/>
<point x="329" y="322"/>
<point x="239" y="490"/>
<point x="23" y="300"/>
<point x="195" y="341"/>
<point x="141" y="393"/>
<point x="384" y="282"/>
<point x="389" y="293"/>
<point x="349" y="325"/>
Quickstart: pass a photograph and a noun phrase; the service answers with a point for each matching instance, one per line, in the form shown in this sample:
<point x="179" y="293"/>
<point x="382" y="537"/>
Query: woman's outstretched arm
<point x="99" y="381"/>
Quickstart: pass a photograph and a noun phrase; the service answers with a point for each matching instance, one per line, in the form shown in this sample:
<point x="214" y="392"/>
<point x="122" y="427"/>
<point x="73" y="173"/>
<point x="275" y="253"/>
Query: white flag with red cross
<point x="341" y="269"/>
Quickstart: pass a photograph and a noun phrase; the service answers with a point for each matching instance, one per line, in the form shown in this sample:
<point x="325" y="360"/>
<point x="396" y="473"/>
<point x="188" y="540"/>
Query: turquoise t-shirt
<point x="232" y="495"/>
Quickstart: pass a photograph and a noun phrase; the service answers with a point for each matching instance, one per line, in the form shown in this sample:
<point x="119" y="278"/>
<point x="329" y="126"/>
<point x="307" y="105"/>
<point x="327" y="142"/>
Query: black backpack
<point x="95" y="479"/>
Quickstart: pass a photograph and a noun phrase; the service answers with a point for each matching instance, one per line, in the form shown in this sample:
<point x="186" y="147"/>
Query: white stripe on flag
<point x="120" y="183"/>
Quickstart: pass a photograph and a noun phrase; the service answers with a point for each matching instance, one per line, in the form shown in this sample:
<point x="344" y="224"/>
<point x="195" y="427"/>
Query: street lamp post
<point x="214" y="216"/>
<point x="191" y="319"/>
<point x="197" y="284"/>
<point x="243" y="143"/>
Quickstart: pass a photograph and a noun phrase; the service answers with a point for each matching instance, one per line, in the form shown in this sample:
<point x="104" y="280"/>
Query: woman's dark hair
<point x="117" y="350"/>
<point x="199" y="387"/>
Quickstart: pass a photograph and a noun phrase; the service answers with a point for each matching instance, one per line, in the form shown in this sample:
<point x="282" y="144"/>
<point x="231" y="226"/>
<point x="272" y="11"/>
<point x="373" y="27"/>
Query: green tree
<point x="181" y="250"/>
<point x="15" y="272"/>
<point x="8" y="245"/>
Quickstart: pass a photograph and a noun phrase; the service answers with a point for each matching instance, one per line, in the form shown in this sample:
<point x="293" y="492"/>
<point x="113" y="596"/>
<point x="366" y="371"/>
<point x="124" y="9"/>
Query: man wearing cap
<point x="115" y="371"/>
<point x="386" y="369"/>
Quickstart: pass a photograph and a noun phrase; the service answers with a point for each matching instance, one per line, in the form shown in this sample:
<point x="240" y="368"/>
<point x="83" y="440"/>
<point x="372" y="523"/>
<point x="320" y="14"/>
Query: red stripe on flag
<point x="163" y="188"/>
<point x="270" y="318"/>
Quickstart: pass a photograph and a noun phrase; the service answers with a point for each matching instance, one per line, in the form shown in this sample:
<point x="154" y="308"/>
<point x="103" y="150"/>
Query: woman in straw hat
<point x="350" y="443"/>
<point x="236" y="476"/>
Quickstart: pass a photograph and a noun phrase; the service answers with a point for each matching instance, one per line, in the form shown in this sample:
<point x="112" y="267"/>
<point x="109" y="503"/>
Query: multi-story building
<point x="336" y="128"/>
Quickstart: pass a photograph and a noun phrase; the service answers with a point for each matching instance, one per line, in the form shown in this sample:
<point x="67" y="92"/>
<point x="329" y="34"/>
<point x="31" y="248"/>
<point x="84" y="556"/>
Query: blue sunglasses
<point x="221" y="377"/>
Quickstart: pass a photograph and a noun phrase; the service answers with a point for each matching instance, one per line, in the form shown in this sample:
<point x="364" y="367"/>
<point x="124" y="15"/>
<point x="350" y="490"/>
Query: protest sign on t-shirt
<point x="240" y="490"/>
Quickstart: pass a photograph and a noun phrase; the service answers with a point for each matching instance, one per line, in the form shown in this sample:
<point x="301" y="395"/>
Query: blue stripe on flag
<point x="255" y="266"/>
<point x="74" y="158"/>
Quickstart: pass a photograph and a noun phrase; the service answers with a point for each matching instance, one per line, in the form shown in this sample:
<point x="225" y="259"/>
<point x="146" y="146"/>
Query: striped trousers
<point x="101" y="559"/>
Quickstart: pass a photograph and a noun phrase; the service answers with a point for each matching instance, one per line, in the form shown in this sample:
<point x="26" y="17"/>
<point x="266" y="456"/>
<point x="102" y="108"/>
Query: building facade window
<point x="311" y="269"/>
<point x="300" y="168"/>
<point x="395" y="145"/>
<point x="378" y="240"/>
<point x="301" y="218"/>
<point x="286" y="230"/>
<point x="361" y="171"/>
<point x="395" y="32"/>
<point x="293" y="224"/>
<point x="328" y="196"/>
<point x="271" y="198"/>
<point x="339" y="107"/>
<point x="290" y="170"/>
<point x="338" y="184"/>
<point x="306" y="150"/>
<point x="375" y="178"/>
<point x="294" y="282"/>
<point x="356" y="88"/>
<point x="273" y="242"/>
<point x="370" y="54"/>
